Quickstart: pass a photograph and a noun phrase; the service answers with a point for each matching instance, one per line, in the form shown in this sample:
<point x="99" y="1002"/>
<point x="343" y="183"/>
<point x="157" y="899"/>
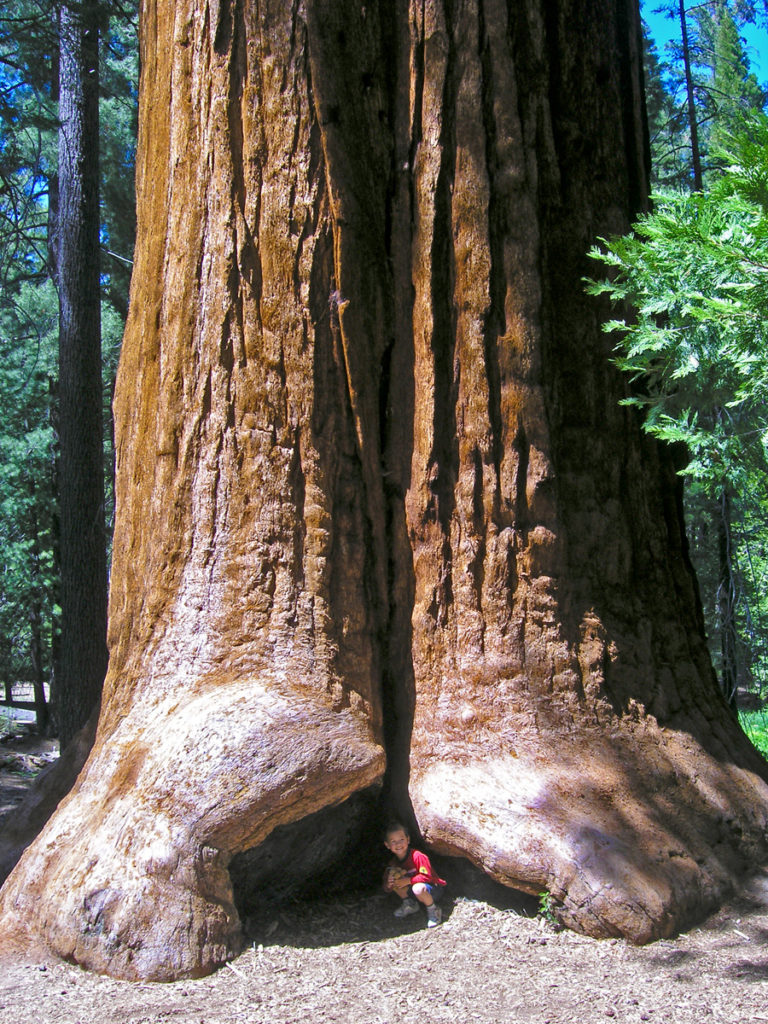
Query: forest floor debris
<point x="23" y="755"/>
<point x="349" y="961"/>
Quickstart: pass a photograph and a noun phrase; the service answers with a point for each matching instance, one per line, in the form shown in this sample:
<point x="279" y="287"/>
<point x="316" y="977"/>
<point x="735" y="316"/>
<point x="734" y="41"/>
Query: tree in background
<point x="29" y="49"/>
<point x="733" y="89"/>
<point x="28" y="500"/>
<point x="83" y="661"/>
<point x="28" y="321"/>
<point x="722" y="92"/>
<point x="670" y="148"/>
<point x="698" y="90"/>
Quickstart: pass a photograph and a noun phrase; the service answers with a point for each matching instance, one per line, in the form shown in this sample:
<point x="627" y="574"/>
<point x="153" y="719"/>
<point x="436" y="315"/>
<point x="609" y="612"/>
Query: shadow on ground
<point x="338" y="915"/>
<point x="673" y="957"/>
<point x="749" y="970"/>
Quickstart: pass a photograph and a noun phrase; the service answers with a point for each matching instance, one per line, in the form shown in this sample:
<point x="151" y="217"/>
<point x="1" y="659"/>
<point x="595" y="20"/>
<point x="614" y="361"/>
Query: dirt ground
<point x="349" y="961"/>
<point x="22" y="756"/>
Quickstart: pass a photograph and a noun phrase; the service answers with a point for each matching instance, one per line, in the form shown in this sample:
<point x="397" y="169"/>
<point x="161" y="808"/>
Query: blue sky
<point x="663" y="28"/>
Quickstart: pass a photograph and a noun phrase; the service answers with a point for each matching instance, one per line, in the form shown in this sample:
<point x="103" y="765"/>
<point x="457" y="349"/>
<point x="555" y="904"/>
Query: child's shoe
<point x="408" y="906"/>
<point x="434" y="916"/>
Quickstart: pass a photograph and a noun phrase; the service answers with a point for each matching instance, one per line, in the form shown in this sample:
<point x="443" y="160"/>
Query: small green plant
<point x="6" y="721"/>
<point x="547" y="904"/>
<point x="755" y="725"/>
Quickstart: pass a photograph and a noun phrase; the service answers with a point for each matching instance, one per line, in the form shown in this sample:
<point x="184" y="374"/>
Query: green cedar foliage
<point x="700" y="383"/>
<point x="690" y="285"/>
<point x="695" y="271"/>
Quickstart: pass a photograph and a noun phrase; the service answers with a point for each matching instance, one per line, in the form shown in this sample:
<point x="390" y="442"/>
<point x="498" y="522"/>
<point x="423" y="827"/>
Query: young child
<point x="410" y="875"/>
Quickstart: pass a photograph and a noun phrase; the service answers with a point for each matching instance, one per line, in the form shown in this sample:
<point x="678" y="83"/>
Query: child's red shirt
<point x="418" y="867"/>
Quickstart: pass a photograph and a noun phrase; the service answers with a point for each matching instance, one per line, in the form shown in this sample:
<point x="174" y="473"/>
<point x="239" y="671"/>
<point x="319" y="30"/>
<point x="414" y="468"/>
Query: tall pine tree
<point x="81" y="476"/>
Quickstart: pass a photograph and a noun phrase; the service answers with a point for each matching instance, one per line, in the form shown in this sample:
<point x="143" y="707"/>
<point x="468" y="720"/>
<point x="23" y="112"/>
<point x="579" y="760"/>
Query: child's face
<point x="398" y="842"/>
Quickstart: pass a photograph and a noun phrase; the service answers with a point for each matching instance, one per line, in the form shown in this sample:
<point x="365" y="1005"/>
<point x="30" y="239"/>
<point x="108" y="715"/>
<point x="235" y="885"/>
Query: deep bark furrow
<point x="493" y="35"/>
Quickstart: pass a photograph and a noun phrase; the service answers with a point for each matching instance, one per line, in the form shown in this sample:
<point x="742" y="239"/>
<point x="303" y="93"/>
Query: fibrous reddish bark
<point x="376" y="496"/>
<point x="568" y="734"/>
<point x="247" y="590"/>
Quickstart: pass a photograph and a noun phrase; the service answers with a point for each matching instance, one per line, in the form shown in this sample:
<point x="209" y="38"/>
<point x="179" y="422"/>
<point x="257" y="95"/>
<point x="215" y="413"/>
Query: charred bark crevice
<point x="397" y="409"/>
<point x="416" y="43"/>
<point x="522" y="518"/>
<point x="222" y="15"/>
<point x="444" y="453"/>
<point x="342" y="51"/>
<point x="632" y="94"/>
<point x="326" y="362"/>
<point x="237" y="66"/>
<point x="311" y="847"/>
<point x="553" y="58"/>
<point x="494" y="326"/>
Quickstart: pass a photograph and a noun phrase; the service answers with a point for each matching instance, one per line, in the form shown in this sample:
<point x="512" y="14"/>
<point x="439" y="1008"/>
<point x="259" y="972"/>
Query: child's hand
<point x="395" y="878"/>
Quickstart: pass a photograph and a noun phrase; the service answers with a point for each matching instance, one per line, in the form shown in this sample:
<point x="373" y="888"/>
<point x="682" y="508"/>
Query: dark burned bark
<point x="81" y="481"/>
<point x="378" y="506"/>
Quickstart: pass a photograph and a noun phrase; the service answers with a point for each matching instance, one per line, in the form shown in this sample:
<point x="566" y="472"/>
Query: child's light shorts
<point x="435" y="891"/>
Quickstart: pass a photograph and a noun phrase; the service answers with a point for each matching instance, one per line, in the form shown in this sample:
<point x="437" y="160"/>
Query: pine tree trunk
<point x="378" y="505"/>
<point x="36" y="619"/>
<point x="81" y="477"/>
<point x="693" y="125"/>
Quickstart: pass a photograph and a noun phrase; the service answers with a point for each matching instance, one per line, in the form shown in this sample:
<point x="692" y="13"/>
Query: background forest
<point x="690" y="286"/>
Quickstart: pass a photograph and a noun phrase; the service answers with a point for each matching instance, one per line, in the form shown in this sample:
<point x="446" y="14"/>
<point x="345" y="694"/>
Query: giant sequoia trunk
<point x="377" y="502"/>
